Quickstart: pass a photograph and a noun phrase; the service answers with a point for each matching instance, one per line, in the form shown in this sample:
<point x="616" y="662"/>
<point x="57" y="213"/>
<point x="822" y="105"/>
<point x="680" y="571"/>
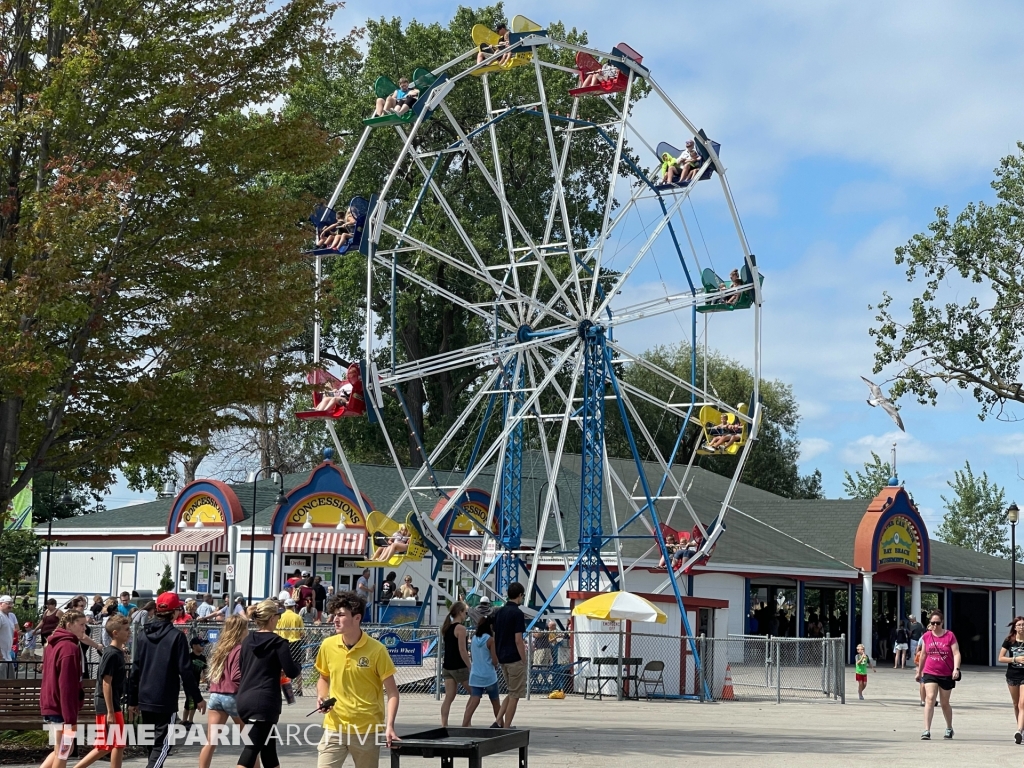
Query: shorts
<point x="1016" y="678"/>
<point x="945" y="683"/>
<point x="458" y="675"/>
<point x="409" y="101"/>
<point x="53" y="719"/>
<point x="861" y="678"/>
<point x="491" y="690"/>
<point x="515" y="678"/>
<point x="901" y="646"/>
<point x="114" y="738"/>
<point x="223" y="702"/>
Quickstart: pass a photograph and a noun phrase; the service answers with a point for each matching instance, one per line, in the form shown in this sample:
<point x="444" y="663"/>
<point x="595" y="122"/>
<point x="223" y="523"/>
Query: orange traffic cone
<point x="728" y="694"/>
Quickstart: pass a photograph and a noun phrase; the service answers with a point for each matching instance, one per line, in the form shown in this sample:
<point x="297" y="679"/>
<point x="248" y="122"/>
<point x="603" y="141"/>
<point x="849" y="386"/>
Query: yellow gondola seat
<point x="712" y="417"/>
<point x="521" y="27"/>
<point x="381" y="528"/>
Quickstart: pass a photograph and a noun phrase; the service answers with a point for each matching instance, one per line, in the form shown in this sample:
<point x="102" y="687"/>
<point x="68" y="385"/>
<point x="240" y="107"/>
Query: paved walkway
<point x="883" y="730"/>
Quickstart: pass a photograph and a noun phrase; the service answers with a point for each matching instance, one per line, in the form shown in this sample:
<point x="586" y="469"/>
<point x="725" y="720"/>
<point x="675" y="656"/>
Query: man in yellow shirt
<point x="356" y="670"/>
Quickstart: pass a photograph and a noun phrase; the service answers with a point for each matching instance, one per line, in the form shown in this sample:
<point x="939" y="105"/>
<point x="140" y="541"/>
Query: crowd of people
<point x="248" y="673"/>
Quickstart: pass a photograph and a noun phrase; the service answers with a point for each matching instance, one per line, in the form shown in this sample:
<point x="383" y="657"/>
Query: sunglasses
<point x="934" y="623"/>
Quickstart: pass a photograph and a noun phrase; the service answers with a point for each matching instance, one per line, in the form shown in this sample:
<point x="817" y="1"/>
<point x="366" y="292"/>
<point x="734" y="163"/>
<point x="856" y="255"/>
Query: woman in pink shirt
<point x="225" y="673"/>
<point x="938" y="669"/>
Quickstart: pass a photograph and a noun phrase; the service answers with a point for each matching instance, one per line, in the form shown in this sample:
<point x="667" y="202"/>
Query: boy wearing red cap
<point x="161" y="660"/>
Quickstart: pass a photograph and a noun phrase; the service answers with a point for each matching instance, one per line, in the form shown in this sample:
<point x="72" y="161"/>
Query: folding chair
<point x="649" y="680"/>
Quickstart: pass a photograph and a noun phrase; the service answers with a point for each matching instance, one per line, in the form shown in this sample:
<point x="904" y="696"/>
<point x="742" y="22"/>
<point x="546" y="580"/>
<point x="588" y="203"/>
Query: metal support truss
<point x="592" y="470"/>
<point x="511" y="530"/>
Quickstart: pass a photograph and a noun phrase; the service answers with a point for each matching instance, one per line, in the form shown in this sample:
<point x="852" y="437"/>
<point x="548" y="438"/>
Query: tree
<point x="772" y="464"/>
<point x="19" y="556"/>
<point x="166" y="581"/>
<point x="965" y="327"/>
<point x="976" y="515"/>
<point x="150" y="267"/>
<point x="426" y="324"/>
<point x="870" y="482"/>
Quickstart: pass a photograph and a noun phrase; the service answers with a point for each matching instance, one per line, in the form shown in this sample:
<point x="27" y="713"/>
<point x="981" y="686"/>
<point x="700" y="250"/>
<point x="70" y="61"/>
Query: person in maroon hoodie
<point x="62" y="694"/>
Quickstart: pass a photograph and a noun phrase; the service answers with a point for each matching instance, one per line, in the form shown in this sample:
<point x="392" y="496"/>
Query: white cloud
<point x="909" y="450"/>
<point x="813" y="446"/>
<point x="1010" y="445"/>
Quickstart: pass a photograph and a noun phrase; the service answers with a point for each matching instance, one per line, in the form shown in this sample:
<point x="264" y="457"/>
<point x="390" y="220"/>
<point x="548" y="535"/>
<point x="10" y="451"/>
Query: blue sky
<point x="843" y="126"/>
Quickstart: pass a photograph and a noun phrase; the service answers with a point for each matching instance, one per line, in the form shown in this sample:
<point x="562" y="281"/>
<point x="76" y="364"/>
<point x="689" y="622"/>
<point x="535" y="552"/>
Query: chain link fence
<point x="418" y="673"/>
<point x="634" y="665"/>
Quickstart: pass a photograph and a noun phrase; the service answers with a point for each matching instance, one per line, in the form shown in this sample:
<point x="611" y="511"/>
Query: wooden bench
<point x="19" y="704"/>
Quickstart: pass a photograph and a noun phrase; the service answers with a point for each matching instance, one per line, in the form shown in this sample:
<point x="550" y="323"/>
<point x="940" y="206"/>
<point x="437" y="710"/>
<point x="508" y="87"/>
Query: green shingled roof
<point x="762" y="530"/>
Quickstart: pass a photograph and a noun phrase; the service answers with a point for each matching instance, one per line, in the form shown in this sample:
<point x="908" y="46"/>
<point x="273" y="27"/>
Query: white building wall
<point x="77" y="571"/>
<point x="1004" y="615"/>
<point x="149" y="567"/>
<point x="259" y="581"/>
<point x="723" y="586"/>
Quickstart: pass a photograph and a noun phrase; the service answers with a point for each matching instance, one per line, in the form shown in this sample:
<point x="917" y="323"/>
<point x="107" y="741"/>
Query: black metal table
<point x="471" y="743"/>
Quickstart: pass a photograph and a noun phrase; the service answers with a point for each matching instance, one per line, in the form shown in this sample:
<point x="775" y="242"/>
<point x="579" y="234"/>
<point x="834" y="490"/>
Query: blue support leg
<point x="592" y="472"/>
<point x="510" y="530"/>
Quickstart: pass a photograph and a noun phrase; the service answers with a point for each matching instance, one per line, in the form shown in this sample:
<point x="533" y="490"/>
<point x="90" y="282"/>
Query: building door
<point x="219" y="580"/>
<point x="969" y="622"/>
<point x="124" y="574"/>
<point x="187" y="573"/>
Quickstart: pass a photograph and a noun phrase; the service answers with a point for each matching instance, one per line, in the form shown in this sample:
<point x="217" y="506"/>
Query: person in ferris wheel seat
<point x="725" y="434"/>
<point x="398" y="543"/>
<point x="338" y="233"/>
<point x="602" y="75"/>
<point x="333" y="398"/>
<point x="399" y="102"/>
<point x="737" y="282"/>
<point x="486" y="50"/>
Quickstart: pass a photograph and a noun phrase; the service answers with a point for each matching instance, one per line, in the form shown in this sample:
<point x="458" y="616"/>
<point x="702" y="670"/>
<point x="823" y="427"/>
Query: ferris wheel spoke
<point x="425" y="283"/>
<point x="623" y="276"/>
<point x="499" y="176"/>
<point x="655" y="451"/>
<point x="609" y="199"/>
<point x="555" y="465"/>
<point x="510" y="425"/>
<point x="541" y="262"/>
<point x="505" y="294"/>
<point x="454" y="219"/>
<point x="558" y="191"/>
<point x="703" y="395"/>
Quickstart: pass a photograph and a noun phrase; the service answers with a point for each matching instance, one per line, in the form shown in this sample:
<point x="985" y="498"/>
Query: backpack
<point x="901" y="635"/>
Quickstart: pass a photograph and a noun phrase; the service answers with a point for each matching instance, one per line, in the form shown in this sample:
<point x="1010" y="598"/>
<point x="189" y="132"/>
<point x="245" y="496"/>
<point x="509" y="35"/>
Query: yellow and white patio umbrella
<point x="620" y="606"/>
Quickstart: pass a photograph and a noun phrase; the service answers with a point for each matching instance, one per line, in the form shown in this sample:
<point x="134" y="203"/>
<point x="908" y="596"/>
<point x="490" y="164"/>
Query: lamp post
<point x="252" y="534"/>
<point x="65" y="500"/>
<point x="1012" y="516"/>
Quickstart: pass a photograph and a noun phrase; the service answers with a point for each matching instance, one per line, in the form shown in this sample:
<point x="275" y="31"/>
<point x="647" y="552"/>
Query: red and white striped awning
<point x="465" y="547"/>
<point x="324" y="542"/>
<point x="194" y="540"/>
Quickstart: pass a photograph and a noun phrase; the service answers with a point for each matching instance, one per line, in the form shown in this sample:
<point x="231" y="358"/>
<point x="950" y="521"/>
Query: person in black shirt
<point x="265" y="659"/>
<point x="198" y="660"/>
<point x="509" y="626"/>
<point x="161" y="660"/>
<point x="109" y="697"/>
<point x="389" y="588"/>
<point x="1012" y="655"/>
<point x="320" y="600"/>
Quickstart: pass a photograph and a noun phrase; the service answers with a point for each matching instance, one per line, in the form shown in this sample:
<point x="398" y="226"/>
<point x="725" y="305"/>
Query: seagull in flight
<point x="878" y="398"/>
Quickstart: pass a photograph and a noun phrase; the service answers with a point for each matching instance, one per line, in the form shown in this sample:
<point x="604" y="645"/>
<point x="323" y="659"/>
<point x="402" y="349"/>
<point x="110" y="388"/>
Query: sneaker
<point x="860" y="696"/>
<point x="1017" y="737"/>
<point x="926" y="736"/>
<point x="948" y="734"/>
<point x="922" y="703"/>
<point x="495" y="724"/>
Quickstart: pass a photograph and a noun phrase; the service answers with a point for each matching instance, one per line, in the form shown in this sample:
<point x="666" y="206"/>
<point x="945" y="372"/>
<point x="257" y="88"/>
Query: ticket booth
<point x="219" y="580"/>
<point x="188" y="569"/>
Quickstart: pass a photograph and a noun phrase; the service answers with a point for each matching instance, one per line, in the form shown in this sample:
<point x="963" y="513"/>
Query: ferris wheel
<point x="560" y="305"/>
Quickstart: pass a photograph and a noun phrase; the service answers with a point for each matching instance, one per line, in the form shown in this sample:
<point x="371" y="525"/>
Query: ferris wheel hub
<point x="524" y="333"/>
<point x="588" y="329"/>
